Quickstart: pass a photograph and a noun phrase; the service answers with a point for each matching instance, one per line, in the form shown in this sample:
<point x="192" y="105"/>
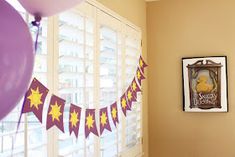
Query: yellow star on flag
<point x="35" y="98"/>
<point x="138" y="74"/>
<point x="123" y="103"/>
<point x="141" y="63"/>
<point x="74" y="118"/>
<point x="103" y="118"/>
<point x="55" y="112"/>
<point x="129" y="95"/>
<point x="89" y="121"/>
<point x="114" y="113"/>
<point x="134" y="86"/>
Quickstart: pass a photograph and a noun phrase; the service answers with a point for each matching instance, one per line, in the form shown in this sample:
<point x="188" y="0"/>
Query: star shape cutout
<point x="74" y="118"/>
<point x="55" y="112"/>
<point x="138" y="74"/>
<point x="141" y="63"/>
<point x="134" y="86"/>
<point x="114" y="112"/>
<point x="129" y="95"/>
<point x="103" y="119"/>
<point x="89" y="121"/>
<point x="35" y="98"/>
<point x="123" y="103"/>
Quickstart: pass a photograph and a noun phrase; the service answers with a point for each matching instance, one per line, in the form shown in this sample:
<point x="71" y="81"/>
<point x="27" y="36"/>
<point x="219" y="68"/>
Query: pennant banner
<point x="124" y="105"/>
<point x="135" y="88"/>
<point x="139" y="76"/>
<point x="142" y="64"/>
<point x="36" y="95"/>
<point x="130" y="96"/>
<point x="35" y="98"/>
<point x="90" y="123"/>
<point x="114" y="113"/>
<point x="104" y="120"/>
<point x="74" y="119"/>
<point x="55" y="113"/>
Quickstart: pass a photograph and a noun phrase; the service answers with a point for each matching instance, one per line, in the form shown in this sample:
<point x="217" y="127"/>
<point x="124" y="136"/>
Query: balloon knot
<point x="37" y="20"/>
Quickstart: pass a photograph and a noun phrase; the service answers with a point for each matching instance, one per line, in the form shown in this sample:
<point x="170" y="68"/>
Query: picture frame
<point x="205" y="84"/>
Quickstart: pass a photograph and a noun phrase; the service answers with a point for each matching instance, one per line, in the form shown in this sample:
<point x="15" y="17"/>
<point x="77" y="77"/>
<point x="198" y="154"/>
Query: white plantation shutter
<point x="76" y="74"/>
<point x="110" y="74"/>
<point x="7" y="134"/>
<point x="98" y="58"/>
<point x="132" y="54"/>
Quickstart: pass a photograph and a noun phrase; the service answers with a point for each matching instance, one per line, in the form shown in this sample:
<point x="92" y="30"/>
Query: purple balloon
<point x="46" y="8"/>
<point x="16" y="58"/>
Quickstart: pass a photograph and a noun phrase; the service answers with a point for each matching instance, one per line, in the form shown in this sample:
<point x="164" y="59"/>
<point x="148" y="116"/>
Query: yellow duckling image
<point x="203" y="85"/>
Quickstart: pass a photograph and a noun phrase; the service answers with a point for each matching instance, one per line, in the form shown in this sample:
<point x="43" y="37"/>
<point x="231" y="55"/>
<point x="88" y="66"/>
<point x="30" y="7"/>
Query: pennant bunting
<point x="36" y="95"/>
<point x="135" y="88"/>
<point x="55" y="113"/>
<point x="74" y="119"/>
<point x="124" y="104"/>
<point x="104" y="120"/>
<point x="142" y="64"/>
<point x="139" y="76"/>
<point x="35" y="98"/>
<point x="90" y="123"/>
<point x="130" y="97"/>
<point x="128" y="106"/>
<point x="114" y="113"/>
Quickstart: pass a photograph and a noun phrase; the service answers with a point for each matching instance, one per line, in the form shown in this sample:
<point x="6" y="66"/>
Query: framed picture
<point x="205" y="84"/>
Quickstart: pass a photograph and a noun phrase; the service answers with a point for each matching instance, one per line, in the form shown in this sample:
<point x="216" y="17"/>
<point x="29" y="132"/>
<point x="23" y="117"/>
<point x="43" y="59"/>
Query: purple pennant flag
<point x="135" y="88"/>
<point x="130" y="96"/>
<point x="90" y="124"/>
<point x="128" y="106"/>
<point x="142" y="64"/>
<point x="114" y="113"/>
<point x="139" y="76"/>
<point x="55" y="113"/>
<point x="35" y="98"/>
<point x="104" y="120"/>
<point x="124" y="105"/>
<point x="74" y="119"/>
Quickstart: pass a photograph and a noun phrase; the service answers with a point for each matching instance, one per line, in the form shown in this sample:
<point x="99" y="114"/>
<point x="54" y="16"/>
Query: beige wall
<point x="183" y="28"/>
<point x="135" y="11"/>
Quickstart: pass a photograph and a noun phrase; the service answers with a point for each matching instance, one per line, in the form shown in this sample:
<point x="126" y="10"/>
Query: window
<point x="87" y="56"/>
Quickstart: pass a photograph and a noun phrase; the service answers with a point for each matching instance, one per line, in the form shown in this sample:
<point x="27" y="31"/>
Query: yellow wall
<point x="135" y="11"/>
<point x="183" y="28"/>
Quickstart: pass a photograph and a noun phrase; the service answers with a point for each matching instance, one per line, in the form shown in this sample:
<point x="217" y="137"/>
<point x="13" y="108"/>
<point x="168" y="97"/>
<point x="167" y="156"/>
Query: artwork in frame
<point x="205" y="84"/>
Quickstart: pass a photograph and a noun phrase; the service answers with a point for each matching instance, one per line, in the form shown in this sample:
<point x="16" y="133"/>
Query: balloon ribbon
<point x="36" y="23"/>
